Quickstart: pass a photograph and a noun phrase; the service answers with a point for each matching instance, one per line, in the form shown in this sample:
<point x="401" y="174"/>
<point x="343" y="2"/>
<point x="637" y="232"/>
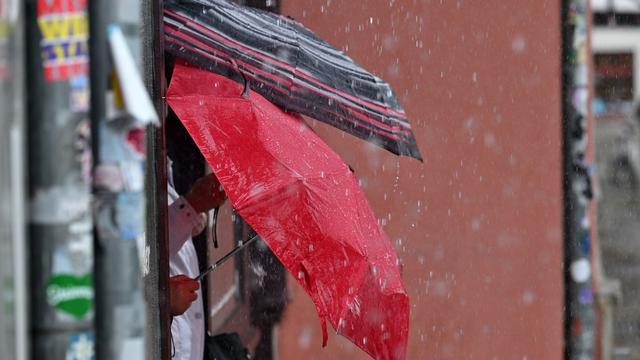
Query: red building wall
<point x="478" y="225"/>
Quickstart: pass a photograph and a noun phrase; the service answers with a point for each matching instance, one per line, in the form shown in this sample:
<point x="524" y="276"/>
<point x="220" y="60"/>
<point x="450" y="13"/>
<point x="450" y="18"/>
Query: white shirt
<point x="187" y="330"/>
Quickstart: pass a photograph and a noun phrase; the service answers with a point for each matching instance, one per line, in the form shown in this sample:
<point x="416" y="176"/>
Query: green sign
<point x="72" y="295"/>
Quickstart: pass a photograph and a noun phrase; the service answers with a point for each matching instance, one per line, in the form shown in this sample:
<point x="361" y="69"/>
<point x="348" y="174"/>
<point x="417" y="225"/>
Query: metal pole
<point x="118" y="206"/>
<point x="13" y="313"/>
<point x="61" y="251"/>
<point x="580" y="321"/>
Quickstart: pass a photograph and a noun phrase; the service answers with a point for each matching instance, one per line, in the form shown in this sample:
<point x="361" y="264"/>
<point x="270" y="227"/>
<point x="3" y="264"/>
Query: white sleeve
<point x="182" y="220"/>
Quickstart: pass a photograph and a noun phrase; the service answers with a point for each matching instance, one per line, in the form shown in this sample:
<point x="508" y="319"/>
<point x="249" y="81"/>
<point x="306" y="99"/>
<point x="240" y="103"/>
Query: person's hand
<point x="182" y="292"/>
<point x="206" y="194"/>
<point x="200" y="225"/>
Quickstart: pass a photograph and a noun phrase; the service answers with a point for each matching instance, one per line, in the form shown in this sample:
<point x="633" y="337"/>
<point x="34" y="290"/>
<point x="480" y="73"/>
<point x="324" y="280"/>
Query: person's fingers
<point x="191" y="285"/>
<point x="180" y="278"/>
<point x="206" y="182"/>
<point x="206" y="193"/>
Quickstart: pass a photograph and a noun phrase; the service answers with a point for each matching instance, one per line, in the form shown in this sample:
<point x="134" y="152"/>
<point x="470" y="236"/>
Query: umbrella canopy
<point x="290" y="66"/>
<point x="304" y="202"/>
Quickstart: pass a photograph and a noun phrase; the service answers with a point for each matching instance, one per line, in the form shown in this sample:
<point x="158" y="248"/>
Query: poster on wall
<point x="65" y="33"/>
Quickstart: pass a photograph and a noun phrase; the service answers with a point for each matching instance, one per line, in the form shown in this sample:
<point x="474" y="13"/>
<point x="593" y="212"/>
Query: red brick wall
<point x="478" y="226"/>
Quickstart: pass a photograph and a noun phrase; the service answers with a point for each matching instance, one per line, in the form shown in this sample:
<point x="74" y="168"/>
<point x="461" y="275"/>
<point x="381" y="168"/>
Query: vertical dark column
<point x="98" y="70"/>
<point x="580" y="335"/>
<point x="158" y="332"/>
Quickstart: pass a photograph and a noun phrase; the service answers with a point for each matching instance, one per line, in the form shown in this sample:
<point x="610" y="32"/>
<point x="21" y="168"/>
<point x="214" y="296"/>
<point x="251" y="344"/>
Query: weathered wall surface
<point x="478" y="226"/>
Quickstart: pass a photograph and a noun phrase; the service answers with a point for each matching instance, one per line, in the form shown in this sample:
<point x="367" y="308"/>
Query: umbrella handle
<point x="247" y="87"/>
<point x="214" y="227"/>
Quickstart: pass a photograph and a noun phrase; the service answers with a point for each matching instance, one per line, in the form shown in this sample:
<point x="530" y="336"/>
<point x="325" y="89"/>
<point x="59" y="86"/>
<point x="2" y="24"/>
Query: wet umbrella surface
<point x="305" y="203"/>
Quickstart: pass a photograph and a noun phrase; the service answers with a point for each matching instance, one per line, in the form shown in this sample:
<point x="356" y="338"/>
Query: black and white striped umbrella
<point x="290" y="66"/>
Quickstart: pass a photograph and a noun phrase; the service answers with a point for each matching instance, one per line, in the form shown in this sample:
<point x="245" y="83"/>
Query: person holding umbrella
<point x="186" y="219"/>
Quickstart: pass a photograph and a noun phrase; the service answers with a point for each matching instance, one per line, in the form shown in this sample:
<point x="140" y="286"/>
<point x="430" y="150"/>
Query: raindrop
<point x="304" y="340"/>
<point x="519" y="44"/>
<point x="475" y="224"/>
<point x="375" y="270"/>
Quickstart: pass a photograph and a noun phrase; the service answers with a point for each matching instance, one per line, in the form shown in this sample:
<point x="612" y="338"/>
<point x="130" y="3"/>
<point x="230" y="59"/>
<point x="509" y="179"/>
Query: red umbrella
<point x="304" y="202"/>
